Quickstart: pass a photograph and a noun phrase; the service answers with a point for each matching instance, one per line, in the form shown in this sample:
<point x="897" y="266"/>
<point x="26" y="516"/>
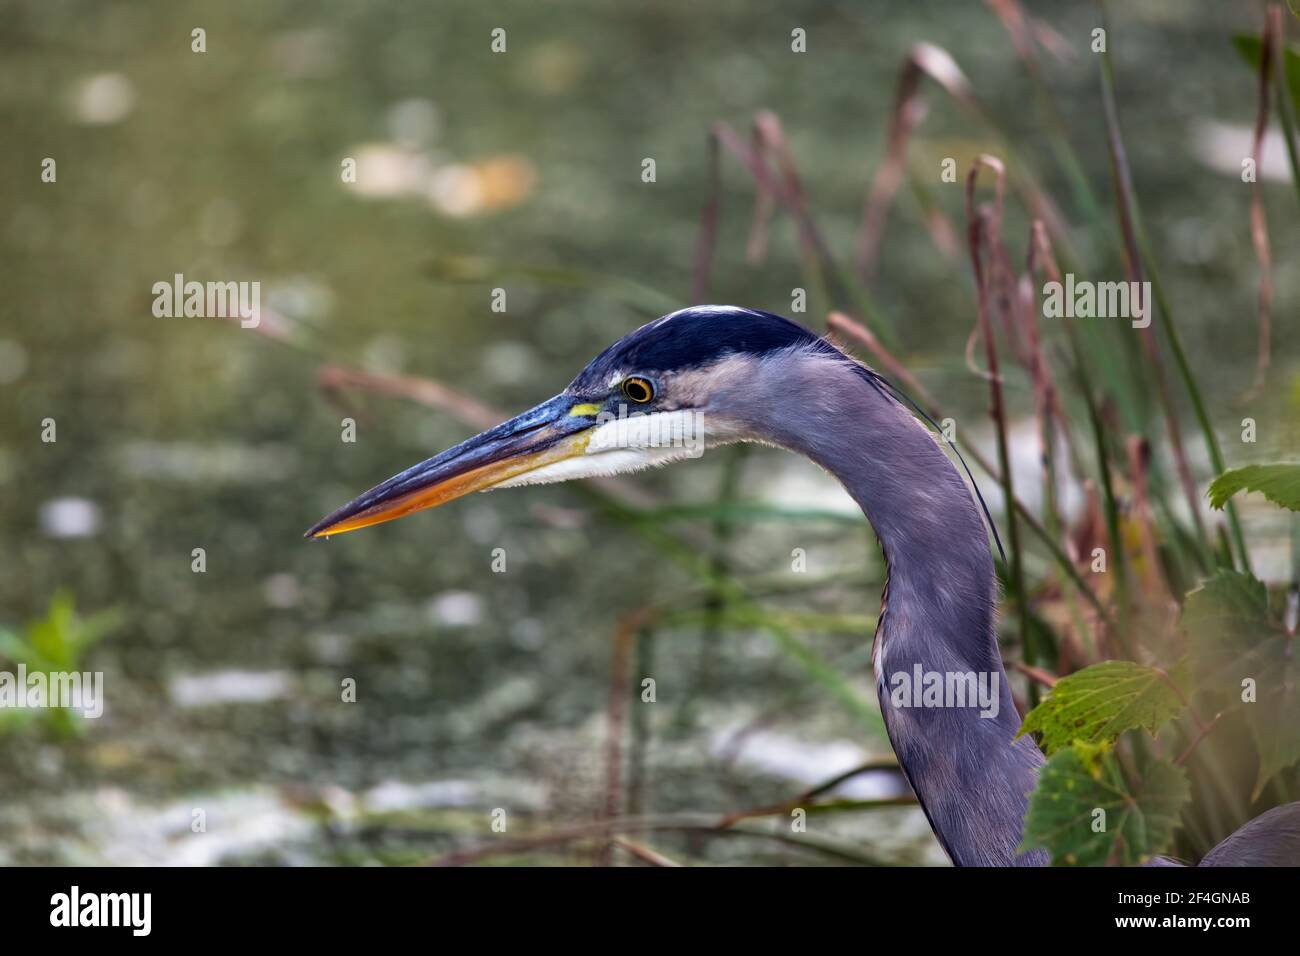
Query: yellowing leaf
<point x="1085" y="813"/>
<point x="1100" y="702"/>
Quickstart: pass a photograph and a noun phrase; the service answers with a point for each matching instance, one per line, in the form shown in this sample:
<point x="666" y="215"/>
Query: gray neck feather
<point x="971" y="778"/>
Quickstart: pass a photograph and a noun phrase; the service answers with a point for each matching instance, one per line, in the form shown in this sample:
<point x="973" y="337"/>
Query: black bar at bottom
<point x="484" y="904"/>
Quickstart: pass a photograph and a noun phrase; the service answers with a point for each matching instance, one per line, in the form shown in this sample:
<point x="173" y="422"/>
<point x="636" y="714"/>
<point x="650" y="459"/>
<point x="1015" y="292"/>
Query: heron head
<point x="679" y="384"/>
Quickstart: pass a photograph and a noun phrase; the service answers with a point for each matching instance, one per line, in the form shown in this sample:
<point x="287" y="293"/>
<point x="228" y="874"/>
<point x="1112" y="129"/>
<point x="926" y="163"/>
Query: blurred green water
<point x="189" y="433"/>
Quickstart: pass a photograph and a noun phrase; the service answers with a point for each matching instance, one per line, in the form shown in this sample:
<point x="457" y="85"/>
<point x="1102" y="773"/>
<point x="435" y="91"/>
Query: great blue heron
<point x="752" y="376"/>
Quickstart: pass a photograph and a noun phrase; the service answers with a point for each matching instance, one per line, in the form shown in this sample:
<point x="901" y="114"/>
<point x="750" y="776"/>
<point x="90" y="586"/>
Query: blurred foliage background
<point x="522" y="171"/>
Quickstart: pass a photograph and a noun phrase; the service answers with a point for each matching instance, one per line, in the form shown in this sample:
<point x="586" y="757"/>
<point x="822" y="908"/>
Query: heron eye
<point x="638" y="389"/>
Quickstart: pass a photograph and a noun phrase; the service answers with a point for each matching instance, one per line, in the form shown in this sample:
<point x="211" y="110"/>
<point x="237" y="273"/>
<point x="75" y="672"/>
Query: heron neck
<point x="939" y="674"/>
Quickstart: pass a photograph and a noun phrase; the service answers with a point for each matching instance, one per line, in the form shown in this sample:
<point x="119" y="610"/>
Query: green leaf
<point x="12" y="648"/>
<point x="1243" y="657"/>
<point x="57" y="641"/>
<point x="50" y="644"/>
<point x="47" y="636"/>
<point x="1085" y="813"/>
<point x="1249" y="46"/>
<point x="1098" y="703"/>
<point x="1225" y="614"/>
<point x="1280" y="484"/>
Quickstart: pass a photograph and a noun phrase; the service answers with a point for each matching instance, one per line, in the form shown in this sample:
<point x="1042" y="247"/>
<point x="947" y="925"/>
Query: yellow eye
<point x="638" y="389"/>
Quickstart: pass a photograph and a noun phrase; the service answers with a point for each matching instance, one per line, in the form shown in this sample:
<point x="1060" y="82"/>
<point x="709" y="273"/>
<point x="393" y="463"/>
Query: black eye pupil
<point x="637" y="389"/>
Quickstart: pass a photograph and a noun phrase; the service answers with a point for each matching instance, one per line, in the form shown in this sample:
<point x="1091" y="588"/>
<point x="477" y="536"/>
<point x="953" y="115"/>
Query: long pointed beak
<point x="553" y="431"/>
